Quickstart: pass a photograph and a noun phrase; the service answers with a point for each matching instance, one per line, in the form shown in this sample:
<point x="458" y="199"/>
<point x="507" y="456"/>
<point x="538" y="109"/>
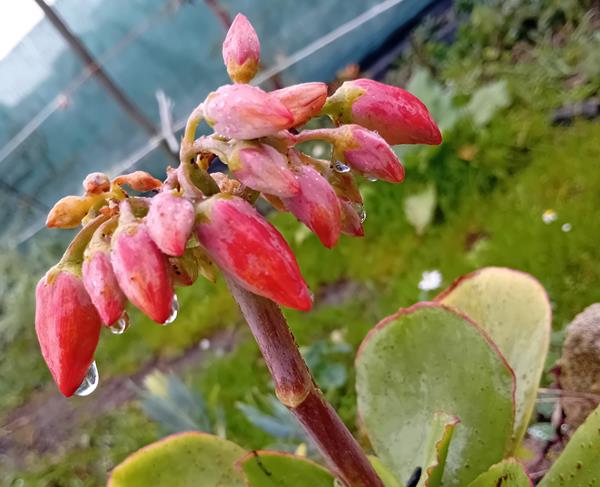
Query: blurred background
<point x="105" y="85"/>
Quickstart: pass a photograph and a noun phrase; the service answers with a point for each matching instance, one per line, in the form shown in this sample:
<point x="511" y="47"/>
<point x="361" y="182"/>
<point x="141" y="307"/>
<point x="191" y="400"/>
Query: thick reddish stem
<point x="296" y="389"/>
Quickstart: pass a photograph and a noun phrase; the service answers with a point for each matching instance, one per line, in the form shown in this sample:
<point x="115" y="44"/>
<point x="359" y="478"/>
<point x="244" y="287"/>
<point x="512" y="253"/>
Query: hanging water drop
<point x="90" y="381"/>
<point x="360" y="210"/>
<point x="120" y="326"/>
<point x="341" y="167"/>
<point x="372" y="179"/>
<point x="174" y="311"/>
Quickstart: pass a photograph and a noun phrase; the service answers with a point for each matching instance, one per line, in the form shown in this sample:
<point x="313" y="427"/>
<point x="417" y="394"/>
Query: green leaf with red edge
<point x="436" y="451"/>
<point x="279" y="469"/>
<point x="578" y="464"/>
<point x="425" y="359"/>
<point x="513" y="308"/>
<point x="508" y="473"/>
<point x="182" y="460"/>
<point x="387" y="477"/>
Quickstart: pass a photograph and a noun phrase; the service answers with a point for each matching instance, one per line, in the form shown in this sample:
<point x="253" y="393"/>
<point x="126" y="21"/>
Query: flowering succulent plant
<point x="138" y="248"/>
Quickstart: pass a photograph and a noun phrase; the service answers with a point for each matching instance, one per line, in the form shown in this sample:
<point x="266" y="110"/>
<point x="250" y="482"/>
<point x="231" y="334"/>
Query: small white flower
<point x="549" y="216"/>
<point x="204" y="344"/>
<point x="318" y="150"/>
<point x="430" y="280"/>
<point x="337" y="336"/>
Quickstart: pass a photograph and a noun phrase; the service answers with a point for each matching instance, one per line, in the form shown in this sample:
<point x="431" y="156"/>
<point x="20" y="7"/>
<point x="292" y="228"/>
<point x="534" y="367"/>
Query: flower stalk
<point x="296" y="389"/>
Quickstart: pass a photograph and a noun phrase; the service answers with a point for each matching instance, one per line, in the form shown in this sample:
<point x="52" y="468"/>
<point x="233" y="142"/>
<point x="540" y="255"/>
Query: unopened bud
<point x="397" y="115"/>
<point x="249" y="249"/>
<point x="263" y="168"/>
<point x="69" y="211"/>
<point x="170" y="221"/>
<point x="241" y="50"/>
<point x="245" y="112"/>
<point x="96" y="183"/>
<point x="67" y="327"/>
<point x="139" y="181"/>
<point x="304" y="100"/>
<point x="316" y="205"/>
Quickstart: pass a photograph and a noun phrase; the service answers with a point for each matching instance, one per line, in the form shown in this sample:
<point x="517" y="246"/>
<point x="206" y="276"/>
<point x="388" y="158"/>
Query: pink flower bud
<point x="170" y="221"/>
<point x="351" y="220"/>
<point x="367" y="153"/>
<point x="99" y="278"/>
<point x="398" y="116"/>
<point x="248" y="248"/>
<point x="241" y="50"/>
<point x="142" y="271"/>
<point x="304" y="100"/>
<point x="263" y="168"/>
<point x="245" y="112"/>
<point x="67" y="327"/>
<point x="316" y="205"/>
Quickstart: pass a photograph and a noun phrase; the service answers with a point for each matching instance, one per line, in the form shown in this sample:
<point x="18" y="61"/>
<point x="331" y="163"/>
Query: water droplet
<point x="174" y="311"/>
<point x="90" y="381"/>
<point x="373" y="179"/>
<point x="120" y="326"/>
<point x="341" y="167"/>
<point x="360" y="210"/>
<point x="566" y="227"/>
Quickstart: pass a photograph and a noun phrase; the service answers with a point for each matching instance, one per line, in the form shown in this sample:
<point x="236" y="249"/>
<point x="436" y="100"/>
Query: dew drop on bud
<point x="90" y="382"/>
<point x="341" y="167"/>
<point x="360" y="210"/>
<point x="120" y="326"/>
<point x="174" y="311"/>
<point x="373" y="179"/>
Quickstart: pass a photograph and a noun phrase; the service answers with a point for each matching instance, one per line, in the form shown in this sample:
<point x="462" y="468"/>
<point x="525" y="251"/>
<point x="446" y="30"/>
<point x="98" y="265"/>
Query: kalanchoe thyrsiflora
<point x="99" y="278"/>
<point x="316" y="205"/>
<point x="67" y="327"/>
<point x="248" y="248"/>
<point x="241" y="50"/>
<point x="304" y="100"/>
<point x="263" y="168"/>
<point x="141" y="268"/>
<point x="170" y="221"/>
<point x="367" y="152"/>
<point x="245" y="112"/>
<point x="398" y="116"/>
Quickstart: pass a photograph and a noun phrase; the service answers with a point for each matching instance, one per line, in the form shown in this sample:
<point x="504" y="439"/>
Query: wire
<point x="262" y="77"/>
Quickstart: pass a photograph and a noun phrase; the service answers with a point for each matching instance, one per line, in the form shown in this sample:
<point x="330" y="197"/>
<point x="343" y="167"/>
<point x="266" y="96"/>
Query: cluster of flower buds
<point x="134" y="247"/>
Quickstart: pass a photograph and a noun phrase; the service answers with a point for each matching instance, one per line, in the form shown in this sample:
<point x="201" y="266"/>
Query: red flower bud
<point x="142" y="271"/>
<point x="248" y="248"/>
<point x="170" y="221"/>
<point x="368" y="153"/>
<point x="67" y="327"/>
<point x="351" y="219"/>
<point x="304" y="100"/>
<point x="263" y="168"/>
<point x="398" y="116"/>
<point x="316" y="205"/>
<point x="241" y="50"/>
<point x="245" y="112"/>
<point x="99" y="278"/>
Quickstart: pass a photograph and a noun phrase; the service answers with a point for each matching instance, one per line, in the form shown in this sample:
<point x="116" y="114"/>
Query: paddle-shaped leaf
<point x="279" y="469"/>
<point x="578" y="464"/>
<point x="185" y="459"/>
<point x="513" y="308"/>
<point x="425" y="359"/>
<point x="508" y="473"/>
